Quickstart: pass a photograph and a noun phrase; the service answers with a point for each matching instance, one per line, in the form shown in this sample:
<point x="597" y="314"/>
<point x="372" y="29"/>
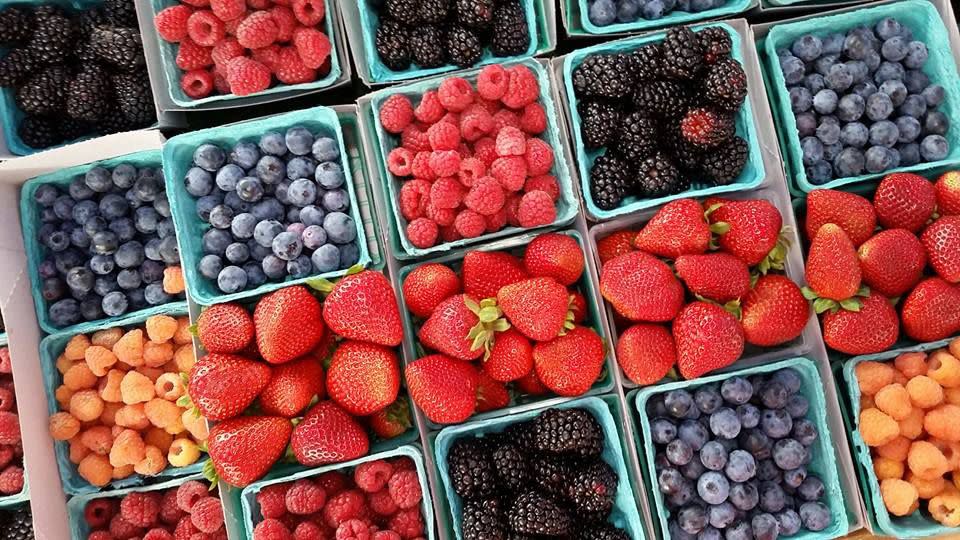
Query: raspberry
<point x="226" y="50"/>
<point x="470" y="224"/>
<point x="354" y="529"/>
<point x="228" y="10"/>
<point x="451" y="117"/>
<point x="313" y="45"/>
<point x="382" y="503"/>
<point x="372" y="476"/>
<point x="449" y="234"/>
<point x="497" y="220"/>
<point x="471" y="169"/>
<point x="189" y="493"/>
<point x="533" y="119"/>
<point x="415" y="139"/>
<point x="399" y="161"/>
<point x="333" y="482"/>
<point x="232" y="25"/>
<point x="272" y="500"/>
<point x="170" y="513"/>
<point x="204" y="28"/>
<point x="422" y="232"/>
<point x="171" y="23"/>
<point x="444" y="136"/>
<point x="489" y="105"/>
<point x="11" y="480"/>
<point x="539" y="157"/>
<point x="197" y="3"/>
<point x="304" y="497"/>
<point x="197" y="83"/>
<point x="877" y="428"/>
<point x="430" y="110"/>
<point x="122" y="529"/>
<point x="343" y="507"/>
<point x="101" y="535"/>
<point x="257" y="30"/>
<point x="872" y="376"/>
<point x="207" y="514"/>
<point x="5" y="366"/>
<point x="308" y="12"/>
<point x="99" y="512"/>
<point x="445" y="162"/>
<point x="289" y="68"/>
<point x="385" y="535"/>
<point x="446" y="193"/>
<point x="511" y="142"/>
<point x="536" y="209"/>
<point x="414" y="195"/>
<point x="259" y="4"/>
<point x="405" y="489"/>
<point x="267" y="56"/>
<point x="158" y="534"/>
<point x="247" y="76"/>
<point x="220" y="80"/>
<point x="441" y="216"/>
<point x="512" y="206"/>
<point x="486" y="197"/>
<point x="193" y="56"/>
<point x="505" y="118"/>
<point x="271" y="529"/>
<point x="140" y="509"/>
<point x="510" y="171"/>
<point x="185" y="529"/>
<point x="546" y="183"/>
<point x="308" y="530"/>
<point x="523" y="88"/>
<point x="485" y="150"/>
<point x="492" y="82"/>
<point x="476" y="122"/>
<point x="6" y="456"/>
<point x="455" y="94"/>
<point x="407" y="523"/>
<point x="396" y="113"/>
<point x="286" y="22"/>
<point x="420" y="167"/>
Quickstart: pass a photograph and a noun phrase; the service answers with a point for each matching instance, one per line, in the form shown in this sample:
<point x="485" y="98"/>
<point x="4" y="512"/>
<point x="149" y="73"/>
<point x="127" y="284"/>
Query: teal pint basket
<point x="674" y="18"/>
<point x="927" y="26"/>
<point x="52" y="347"/>
<point x="823" y="464"/>
<point x="753" y="172"/>
<point x="566" y="205"/>
<point x="9" y="501"/>
<point x="625" y="513"/>
<point x="30" y="221"/>
<point x="177" y="159"/>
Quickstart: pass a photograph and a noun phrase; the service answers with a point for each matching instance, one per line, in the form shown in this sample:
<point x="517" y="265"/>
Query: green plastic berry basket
<point x="50" y="349"/>
<point x="177" y="159"/>
<point x="823" y="463"/>
<point x="566" y="205"/>
<point x="30" y="222"/>
<point x="927" y="26"/>
<point x="251" y="510"/>
<point x="625" y="514"/>
<point x="674" y="18"/>
<point x="753" y="172"/>
<point x="918" y="524"/>
<point x="10" y="501"/>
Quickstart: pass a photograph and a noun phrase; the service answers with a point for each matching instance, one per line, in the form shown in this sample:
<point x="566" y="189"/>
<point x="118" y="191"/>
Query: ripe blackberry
<point x="659" y="176"/>
<point x="392" y="39"/>
<point x="602" y="531"/>
<point x="133" y="95"/>
<point x="471" y="470"/>
<point x="568" y="432"/>
<point x="53" y="37"/>
<point x="434" y="11"/>
<point x="725" y="163"/>
<point x="426" y="46"/>
<point x="464" y="48"/>
<point x="19" y="525"/>
<point x="649" y="62"/>
<point x="511" y="36"/>
<point x="44" y="93"/>
<point x="605" y="75"/>
<point x="70" y="129"/>
<point x="591" y="491"/>
<point x="476" y="14"/>
<point x="599" y="120"/>
<point x="90" y="19"/>
<point x="638" y="137"/>
<point x="715" y="42"/>
<point x="405" y="11"/>
<point x="682" y="54"/>
<point x="119" y="47"/>
<point x="121" y="12"/>
<point x="38" y="132"/>
<point x="609" y="181"/>
<point x="706" y="128"/>
<point x="521" y="435"/>
<point x="88" y="95"/>
<point x="533" y="513"/>
<point x="16" y="25"/>
<point x="511" y="467"/>
<point x="725" y="84"/>
<point x="114" y="121"/>
<point x="666" y="99"/>
<point x="16" y="66"/>
<point x="685" y="156"/>
<point x="483" y="520"/>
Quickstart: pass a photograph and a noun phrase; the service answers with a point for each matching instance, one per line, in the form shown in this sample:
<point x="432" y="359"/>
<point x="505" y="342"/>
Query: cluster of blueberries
<point x="863" y="103"/>
<point x="278" y="207"/>
<point x="732" y="459"/>
<point x="607" y="12"/>
<point x="109" y="238"/>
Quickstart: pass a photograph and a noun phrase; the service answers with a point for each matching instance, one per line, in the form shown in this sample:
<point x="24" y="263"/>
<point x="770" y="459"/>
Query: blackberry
<point x="70" y="129"/>
<point x="725" y="84"/>
<point x="120" y="12"/>
<point x="609" y="180"/>
<point x="569" y="432"/>
<point x="649" y="62"/>
<point x="426" y="46"/>
<point x="38" y="132"/>
<point x="511" y="37"/>
<point x="592" y="490"/>
<point x="666" y="99"/>
<point x="658" y="176"/>
<point x="90" y="19"/>
<point x="434" y="11"/>
<point x="511" y="467"/>
<point x="603" y="531"/>
<point x="44" y="93"/>
<point x="119" y="47"/>
<point x="464" y="48"/>
<point x="605" y="75"/>
<point x="706" y="128"/>
<point x="483" y="520"/>
<point x="521" y="435"/>
<point x="133" y="95"/>
<point x="53" y="37"/>
<point x="682" y="54"/>
<point x="471" y="470"/>
<point x="16" y="25"/>
<point x="405" y="11"/>
<point x="84" y="51"/>
<point x="16" y="66"/>
<point x="715" y="43"/>
<point x="533" y="513"/>
<point x="114" y="121"/>
<point x="88" y="96"/>
<point x="638" y="137"/>
<point x="685" y="155"/>
<point x="550" y="473"/>
<point x="392" y="39"/>
<point x="476" y="14"/>
<point x="19" y="525"/>
<point x="598" y="122"/>
<point x="725" y="163"/>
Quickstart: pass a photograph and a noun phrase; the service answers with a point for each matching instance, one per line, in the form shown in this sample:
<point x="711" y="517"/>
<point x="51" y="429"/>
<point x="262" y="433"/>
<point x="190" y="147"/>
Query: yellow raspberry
<point x="132" y="416"/>
<point x="173" y="280"/>
<point x="872" y="376"/>
<point x="925" y="392"/>
<point x="161" y="328"/>
<point x="76" y="347"/>
<point x="109" y="387"/>
<point x="162" y="413"/>
<point x="185" y="358"/>
<point x="158" y="438"/>
<point x="64" y="363"/>
<point x="109" y="416"/>
<point x="894" y="400"/>
<point x="866" y="402"/>
<point x="196" y="425"/>
<point x="86" y="405"/>
<point x="945" y="508"/>
<point x="911" y="364"/>
<point x="945" y="369"/>
<point x="136" y="388"/>
<point x="78" y="450"/>
<point x="151" y="373"/>
<point x="926" y="460"/>
<point x="98" y="439"/>
<point x="183" y="335"/>
<point x="896" y="449"/>
<point x="96" y="469"/>
<point x="157" y="354"/>
<point x="176" y="427"/>
<point x="877" y="428"/>
<point x="129" y="349"/>
<point x="154" y="462"/>
<point x="63" y="426"/>
<point x="63" y="395"/>
<point x="887" y="468"/>
<point x="79" y="377"/>
<point x="106" y="338"/>
<point x="100" y="359"/>
<point x="952" y="395"/>
<point x="169" y="386"/>
<point x="927" y="488"/>
<point x="943" y="422"/>
<point x="119" y="473"/>
<point x="128" y="449"/>
<point x="911" y="427"/>
<point x="950" y="450"/>
<point x="899" y="378"/>
<point x="899" y="496"/>
<point x="183" y="452"/>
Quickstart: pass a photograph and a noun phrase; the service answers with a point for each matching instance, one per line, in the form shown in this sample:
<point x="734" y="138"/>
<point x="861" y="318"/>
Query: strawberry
<point x="646" y="353"/>
<point x="537" y="307"/>
<point x="491" y="394"/>
<point x="707" y="337"/>
<point x="530" y="385"/>
<point x="948" y="193"/>
<point x="243" y="449"/>
<point x="678" y="228"/>
<point x="932" y="310"/>
<point x="445" y="389"/>
<point x="485" y="272"/>
<point x="571" y="363"/>
<point x="554" y="255"/>
<point x="904" y="201"/>
<point x="833" y="270"/>
<point x="720" y="277"/>
<point x="892" y="261"/>
<point x="872" y="328"/>
<point x="511" y="357"/>
<point x="641" y="288"/>
<point x="428" y="285"/>
<point x="363" y="307"/>
<point x="448" y="329"/>
<point x="288" y="324"/>
<point x="363" y="378"/>
<point x="616" y="244"/>
<point x="225" y="328"/>
<point x="852" y="213"/>
<point x="750" y="230"/>
<point x="774" y="311"/>
<point x="392" y="421"/>
<point x="223" y="385"/>
<point x="328" y="434"/>
<point x="578" y="307"/>
<point x="292" y="386"/>
<point x="942" y="242"/>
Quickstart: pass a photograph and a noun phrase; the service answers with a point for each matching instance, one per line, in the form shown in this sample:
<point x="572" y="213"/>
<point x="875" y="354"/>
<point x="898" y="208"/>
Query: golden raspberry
<point x="877" y="428"/>
<point x="196" y="425"/>
<point x="911" y="364"/>
<point x="952" y="395"/>
<point x="942" y="422"/>
<point x="157" y="354"/>
<point x="185" y="358"/>
<point x="86" y="405"/>
<point x="119" y="473"/>
<point x="950" y="450"/>
<point x="872" y="376"/>
<point x="911" y="427"/>
<point x="79" y="377"/>
<point x="945" y="369"/>
<point x="129" y="349"/>
<point x="183" y="335"/>
<point x="894" y="400"/>
<point x="173" y="280"/>
<point x="162" y="413"/>
<point x="63" y="426"/>
<point x="926" y="460"/>
<point x="169" y="386"/>
<point x="98" y="439"/>
<point x="109" y="387"/>
<point x="152" y="373"/>
<point x="153" y="463"/>
<point x="106" y="338"/>
<point x="78" y="450"/>
<point x="100" y="359"/>
<point x="899" y="496"/>
<point x="924" y="392"/>
<point x="158" y="438"/>
<point x="176" y="427"/>
<point x="76" y="347"/>
<point x="945" y="508"/>
<point x="927" y="488"/>
<point x="109" y="416"/>
<point x="896" y="449"/>
<point x="96" y="469"/>
<point x="887" y="468"/>
<point x="63" y="395"/>
<point x="128" y="449"/>
<point x="136" y="388"/>
<point x="899" y="378"/>
<point x="64" y="363"/>
<point x="161" y="328"/>
<point x="132" y="416"/>
<point x="183" y="452"/>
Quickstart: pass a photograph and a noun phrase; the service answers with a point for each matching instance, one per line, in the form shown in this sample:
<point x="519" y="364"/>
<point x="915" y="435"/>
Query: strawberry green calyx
<point x="732" y="307"/>
<point x="326" y="286"/>
<point x="820" y="305"/>
<point x="491" y="321"/>
<point x="210" y="473"/>
<point x="399" y="413"/>
<point x="568" y="321"/>
<point x="778" y="255"/>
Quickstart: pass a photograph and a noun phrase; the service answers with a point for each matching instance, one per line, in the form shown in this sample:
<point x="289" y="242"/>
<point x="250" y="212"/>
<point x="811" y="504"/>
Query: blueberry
<point x="325" y="149"/>
<point x="206" y="204"/>
<point x="302" y="192"/>
<point x="789" y="454"/>
<point x="916" y="81"/>
<point x="210" y="266"/>
<point x="767" y="471"/>
<point x="662" y="430"/>
<point x="66" y="260"/>
<point x="242" y="225"/>
<point x="90" y="307"/>
<point x="765" y="527"/>
<point x="300" y="267"/>
<point x="824" y="63"/>
<point x="232" y="279"/>
<point x="258" y="252"/>
<point x="887" y="28"/>
<point x="855" y="46"/>
<point x="804" y="431"/>
<point x="829" y="130"/>
<point x="340" y="228"/>
<point x="914" y="105"/>
<point x="709" y="533"/>
<point x="806" y="124"/>
<point x="273" y="143"/>
<point x="744" y="495"/>
<point x="293" y="214"/>
<point x="98" y="179"/>
<point x="162" y="205"/>
<point x="794" y="477"/>
<point x="878" y="159"/>
<point x="812" y="150"/>
<point x="129" y="254"/>
<point x="47" y="269"/>
<point x="854" y="134"/>
<point x="265" y="231"/>
<point x="79" y="190"/>
<point x="655" y="9"/>
<point x="301" y="167"/>
<point x="229" y="176"/>
<point x="313" y="237"/>
<point x="250" y="189"/>
<point x="678" y="403"/>
<point x="215" y="241"/>
<point x="235" y="203"/>
<point x="46" y="194"/>
<point x="245" y="154"/>
<point x="271" y="169"/>
<point x="274" y="267"/>
<point x="58" y="241"/>
<point x="792" y="67"/>
<point x="933" y="94"/>
<point x="693" y="433"/>
<point x="602" y="12"/>
<point x="53" y="288"/>
<point x="676" y="533"/>
<point x="789" y="521"/>
<point x="850" y="108"/>
<point x="287" y="245"/>
<point x="80" y="278"/>
<point x="814" y="83"/>
<point x="146" y="188"/>
<point x="678" y="452"/>
<point x="209" y="157"/>
<point x="237" y="253"/>
<point x="740" y="530"/>
<point x="101" y="264"/>
<point x="721" y="515"/>
<point x="268" y="208"/>
<point x="329" y="175"/>
<point x="815" y="516"/>
<point x="811" y="489"/>
<point x="669" y="480"/>
<point x="879" y="106"/>
<point x="104" y="243"/>
<point x="756" y="442"/>
<point x="936" y="123"/>
<point x="909" y="154"/>
<point x="916" y="55"/>
<point x="808" y="48"/>
<point x="772" y="497"/>
<point x="84" y="211"/>
<point x="894" y="49"/>
<point x="198" y="182"/>
<point x="692" y="518"/>
<point x="280" y="191"/>
<point x="255" y="275"/>
<point x="908" y="129"/>
<point x="708" y="399"/>
<point x="63" y="207"/>
<point x="934" y="148"/>
<point x="832" y="44"/>
<point x="740" y="466"/>
<point x="865" y="89"/>
<point x="336" y="200"/>
<point x="713" y="456"/>
<point x="169" y="251"/>
<point x="825" y="102"/>
<point x="749" y="415"/>
<point x="152" y="271"/>
<point x="221" y="216"/>
<point x="797" y="406"/>
<point x="858" y="70"/>
<point x="299" y="140"/>
<point x="155" y="295"/>
<point x="164" y="229"/>
<point x="129" y="279"/>
<point x="736" y="390"/>
<point x="713" y="487"/>
<point x="114" y="304"/>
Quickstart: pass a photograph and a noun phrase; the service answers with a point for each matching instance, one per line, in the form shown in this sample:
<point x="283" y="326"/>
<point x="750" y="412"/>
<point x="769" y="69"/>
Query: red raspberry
<point x="259" y="4"/>
<point x="405" y="489"/>
<point x="489" y="105"/>
<point x="7" y="400"/>
<point x="204" y="28"/>
<point x="158" y="534"/>
<point x="496" y="221"/>
<point x="451" y="117"/>
<point x="193" y="56"/>
<point x="355" y="529"/>
<point x="485" y="150"/>
<point x="470" y="224"/>
<point x="536" y="209"/>
<point x="286" y="22"/>
<point x="101" y="535"/>
<point x="140" y="509"/>
<point x="372" y="476"/>
<point x="407" y="523"/>
<point x="511" y="142"/>
<point x="512" y="206"/>
<point x="99" y="512"/>
<point x="308" y="530"/>
<point x="271" y="529"/>
<point x="492" y="82"/>
<point x="5" y="366"/>
<point x="510" y="171"/>
<point x="446" y="193"/>
<point x="414" y="195"/>
<point x="470" y="170"/>
<point x="455" y="94"/>
<point x="420" y="167"/>
<point x="9" y="428"/>
<point x="430" y="110"/>
<point x="207" y="514"/>
<point x="304" y="497"/>
<point x="449" y="234"/>
<point x="189" y="493"/>
<point x="396" y="114"/>
<point x="226" y="50"/>
<point x="399" y="161"/>
<point x="539" y="157"/>
<point x="464" y="151"/>
<point x="546" y="183"/>
<point x="445" y="162"/>
<point x="170" y="513"/>
<point x="232" y="25"/>
<point x="476" y="122"/>
<point x="171" y="22"/>
<point x="272" y="500"/>
<point x="382" y="503"/>
<point x="523" y="88"/>
<point x="122" y="529"/>
<point x="385" y="535"/>
<point x="444" y="136"/>
<point x="422" y="232"/>
<point x="505" y="118"/>
<point x="185" y="529"/>
<point x="441" y="216"/>
<point x="289" y="68"/>
<point x="228" y="10"/>
<point x="290" y="521"/>
<point x="333" y="482"/>
<point x="197" y="83"/>
<point x="309" y="12"/>
<point x="486" y="197"/>
<point x="268" y="55"/>
<point x="6" y="453"/>
<point x="415" y="138"/>
<point x="313" y="45"/>
<point x="220" y="81"/>
<point x="403" y="464"/>
<point x="343" y="507"/>
<point x="258" y="30"/>
<point x="247" y="76"/>
<point x="533" y="119"/>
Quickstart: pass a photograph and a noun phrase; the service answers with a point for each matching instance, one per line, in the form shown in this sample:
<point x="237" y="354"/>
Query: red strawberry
<point x="392" y="421"/>
<point x="678" y="228"/>
<point x="646" y="353"/>
<point x="448" y="329"/>
<point x="530" y="385"/>
<point x="616" y="244"/>
<point x="571" y="363"/>
<point x="363" y="378"/>
<point x="873" y="328"/>
<point x="720" y="277"/>
<point x="363" y="307"/>
<point x="932" y="310"/>
<point x="223" y="385"/>
<point x="948" y="193"/>
<point x="852" y="213"/>
<point x="485" y="272"/>
<point x="641" y="288"/>
<point x="578" y="307"/>
<point x="537" y="307"/>
<point x="491" y="394"/>
<point x="225" y="328"/>
<point x="511" y="357"/>
<point x="288" y="324"/>
<point x="445" y="389"/>
<point x="292" y="386"/>
<point x="243" y="449"/>
<point x="554" y="255"/>
<point x="428" y="285"/>
<point x="833" y="270"/>
<point x="904" y="201"/>
<point x="942" y="242"/>
<point x="774" y="311"/>
<point x="750" y="230"/>
<point x="328" y="434"/>
<point x="892" y="262"/>
<point x="707" y="337"/>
